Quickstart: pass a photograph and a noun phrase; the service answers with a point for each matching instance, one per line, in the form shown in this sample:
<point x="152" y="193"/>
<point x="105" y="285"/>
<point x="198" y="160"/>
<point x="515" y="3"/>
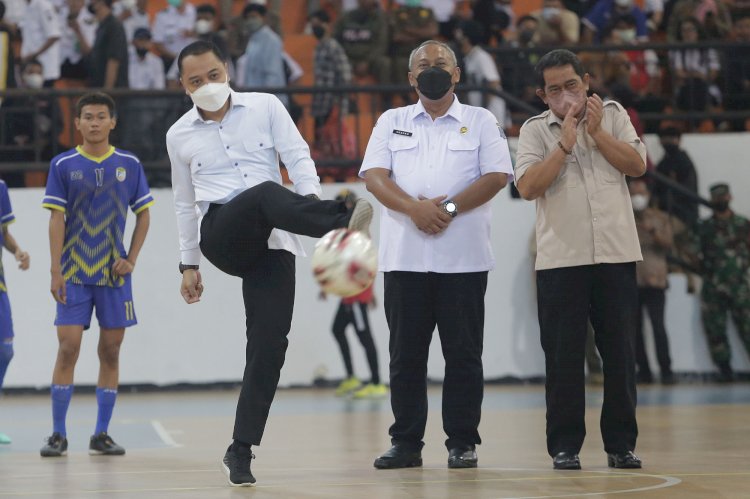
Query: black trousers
<point x="653" y="300"/>
<point x="234" y="237"/>
<point x="416" y="302"/>
<point x="567" y="297"/>
<point x="356" y="314"/>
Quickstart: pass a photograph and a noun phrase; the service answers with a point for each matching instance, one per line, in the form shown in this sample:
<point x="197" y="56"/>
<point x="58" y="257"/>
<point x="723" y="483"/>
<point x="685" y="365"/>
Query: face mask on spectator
<point x="211" y="96"/>
<point x="174" y="3"/>
<point x="639" y="202"/>
<point x="434" y="82"/>
<point x="624" y="3"/>
<point x="318" y="31"/>
<point x="128" y="4"/>
<point x="550" y="12"/>
<point x="91" y="9"/>
<point x="670" y="148"/>
<point x="254" y="24"/>
<point x="720" y="206"/>
<point x="203" y="26"/>
<point x="413" y="3"/>
<point x="525" y="35"/>
<point x="33" y="80"/>
<point x="625" y="35"/>
<point x="141" y="52"/>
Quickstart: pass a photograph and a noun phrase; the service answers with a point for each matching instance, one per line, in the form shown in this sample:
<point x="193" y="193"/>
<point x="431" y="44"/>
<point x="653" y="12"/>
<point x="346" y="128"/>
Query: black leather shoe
<point x="566" y="461"/>
<point x="462" y="457"/>
<point x="399" y="456"/>
<point x="626" y="460"/>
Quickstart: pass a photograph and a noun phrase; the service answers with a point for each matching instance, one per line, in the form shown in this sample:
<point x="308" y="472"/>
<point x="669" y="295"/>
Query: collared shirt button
<point x="227" y="147"/>
<point x="236" y="164"/>
<point x="261" y="144"/>
<point x="246" y="175"/>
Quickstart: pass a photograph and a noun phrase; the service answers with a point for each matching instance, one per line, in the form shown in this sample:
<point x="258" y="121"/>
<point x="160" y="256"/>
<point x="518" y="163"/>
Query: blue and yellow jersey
<point x="6" y="218"/>
<point x="94" y="193"/>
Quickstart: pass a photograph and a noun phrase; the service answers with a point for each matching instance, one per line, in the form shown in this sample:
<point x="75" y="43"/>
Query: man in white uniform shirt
<point x="225" y="162"/>
<point x="435" y="166"/>
<point x="173" y="29"/>
<point x="78" y="35"/>
<point x="41" y="33"/>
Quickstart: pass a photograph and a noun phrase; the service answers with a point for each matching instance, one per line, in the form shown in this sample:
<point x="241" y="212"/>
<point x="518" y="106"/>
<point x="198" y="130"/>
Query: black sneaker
<point x="103" y="445"/>
<point x="236" y="466"/>
<point x="56" y="446"/>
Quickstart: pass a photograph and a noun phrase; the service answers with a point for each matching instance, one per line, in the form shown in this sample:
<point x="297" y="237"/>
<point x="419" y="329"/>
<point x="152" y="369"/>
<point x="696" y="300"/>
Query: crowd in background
<point x="122" y="44"/>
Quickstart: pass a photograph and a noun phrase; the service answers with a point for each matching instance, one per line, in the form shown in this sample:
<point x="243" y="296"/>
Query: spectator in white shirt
<point x="435" y="166"/>
<point x="146" y="70"/>
<point x="480" y="69"/>
<point x="173" y="29"/>
<point x="145" y="117"/>
<point x="225" y="169"/>
<point x="41" y="33"/>
<point x="133" y="15"/>
<point x="78" y="34"/>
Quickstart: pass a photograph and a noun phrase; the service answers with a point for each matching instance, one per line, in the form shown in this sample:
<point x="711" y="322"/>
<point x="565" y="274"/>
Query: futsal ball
<point x="345" y="262"/>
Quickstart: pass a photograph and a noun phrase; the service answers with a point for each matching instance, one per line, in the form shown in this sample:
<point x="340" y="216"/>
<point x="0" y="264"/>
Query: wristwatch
<point x="450" y="208"/>
<point x="183" y="268"/>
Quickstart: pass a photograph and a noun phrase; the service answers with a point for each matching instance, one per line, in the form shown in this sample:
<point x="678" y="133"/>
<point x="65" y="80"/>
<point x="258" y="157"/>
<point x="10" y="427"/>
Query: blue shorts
<point x="114" y="306"/>
<point x="6" y="322"/>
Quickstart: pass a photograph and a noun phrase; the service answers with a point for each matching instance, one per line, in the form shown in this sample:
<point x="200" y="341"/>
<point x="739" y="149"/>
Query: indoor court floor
<point x="694" y="442"/>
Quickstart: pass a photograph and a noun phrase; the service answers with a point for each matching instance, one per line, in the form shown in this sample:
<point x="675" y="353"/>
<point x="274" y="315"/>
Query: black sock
<point x="240" y="446"/>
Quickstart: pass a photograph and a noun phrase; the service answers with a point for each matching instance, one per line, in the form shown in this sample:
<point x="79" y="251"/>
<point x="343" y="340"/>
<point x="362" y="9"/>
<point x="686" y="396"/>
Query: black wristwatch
<point x="450" y="208"/>
<point x="183" y="268"/>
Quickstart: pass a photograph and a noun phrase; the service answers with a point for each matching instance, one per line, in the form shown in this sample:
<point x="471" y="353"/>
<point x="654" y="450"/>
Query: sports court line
<point x="164" y="434"/>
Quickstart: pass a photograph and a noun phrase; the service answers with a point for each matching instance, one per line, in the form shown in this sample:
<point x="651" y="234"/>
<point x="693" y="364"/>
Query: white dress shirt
<point x="170" y="27"/>
<point x="70" y="49"/>
<point x="137" y="19"/>
<point x="39" y="24"/>
<point x="433" y="158"/>
<point x="214" y="162"/>
<point x="146" y="73"/>
<point x="480" y="68"/>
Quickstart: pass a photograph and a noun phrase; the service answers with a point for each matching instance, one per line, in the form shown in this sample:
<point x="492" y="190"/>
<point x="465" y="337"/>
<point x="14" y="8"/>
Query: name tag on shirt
<point x="401" y="132"/>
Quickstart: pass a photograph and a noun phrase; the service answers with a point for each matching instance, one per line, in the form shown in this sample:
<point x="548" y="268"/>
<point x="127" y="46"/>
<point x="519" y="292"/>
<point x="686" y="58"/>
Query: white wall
<point x="174" y="342"/>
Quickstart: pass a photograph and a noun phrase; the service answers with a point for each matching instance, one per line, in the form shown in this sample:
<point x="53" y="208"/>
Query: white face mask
<point x="639" y="202"/>
<point x="128" y="4"/>
<point x="211" y="96"/>
<point x="203" y="26"/>
<point x="34" y="80"/>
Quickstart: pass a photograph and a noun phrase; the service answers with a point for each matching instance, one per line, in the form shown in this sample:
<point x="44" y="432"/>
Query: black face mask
<point x="141" y="52"/>
<point x="525" y="36"/>
<point x="434" y="82"/>
<point x="91" y="9"/>
<point x="671" y="148"/>
<point x="318" y="31"/>
<point x="720" y="206"/>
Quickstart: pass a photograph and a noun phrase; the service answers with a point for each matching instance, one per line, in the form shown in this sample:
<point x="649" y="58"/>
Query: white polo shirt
<point x="433" y="158"/>
<point x="40" y="23"/>
<point x="170" y="26"/>
<point x="214" y="162"/>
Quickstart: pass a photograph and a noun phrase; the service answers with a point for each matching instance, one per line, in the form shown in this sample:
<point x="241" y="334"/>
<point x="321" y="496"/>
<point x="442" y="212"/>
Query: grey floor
<point x="694" y="441"/>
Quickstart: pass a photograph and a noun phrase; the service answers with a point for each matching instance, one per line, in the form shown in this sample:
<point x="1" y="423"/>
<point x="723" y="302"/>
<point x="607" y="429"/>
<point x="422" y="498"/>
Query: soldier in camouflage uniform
<point x="363" y="33"/>
<point x="410" y="25"/>
<point x="724" y="250"/>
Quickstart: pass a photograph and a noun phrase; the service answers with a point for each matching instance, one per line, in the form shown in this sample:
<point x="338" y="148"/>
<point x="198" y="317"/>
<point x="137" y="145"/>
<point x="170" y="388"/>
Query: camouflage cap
<point x="718" y="190"/>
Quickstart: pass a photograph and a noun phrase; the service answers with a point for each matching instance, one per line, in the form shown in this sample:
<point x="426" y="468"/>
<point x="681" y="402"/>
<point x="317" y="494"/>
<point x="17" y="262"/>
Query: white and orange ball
<point x="345" y="262"/>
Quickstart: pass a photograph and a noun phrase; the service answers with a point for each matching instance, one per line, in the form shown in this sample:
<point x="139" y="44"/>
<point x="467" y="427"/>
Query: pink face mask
<point x="563" y="102"/>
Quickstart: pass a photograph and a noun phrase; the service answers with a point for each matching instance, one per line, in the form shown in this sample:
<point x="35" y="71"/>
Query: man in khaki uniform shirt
<point x="573" y="159"/>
